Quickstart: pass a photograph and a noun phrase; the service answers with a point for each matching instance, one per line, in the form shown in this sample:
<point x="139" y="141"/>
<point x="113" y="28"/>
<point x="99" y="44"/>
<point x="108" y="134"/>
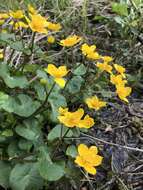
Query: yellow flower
<point x="88" y="158"/>
<point x="1" y="53"/>
<point x="54" y="26"/>
<point x="104" y="67"/>
<point x="31" y="9"/>
<point x="117" y="80"/>
<point x="71" y="119"/>
<point x="51" y="39"/>
<point x="107" y="59"/>
<point x="70" y="41"/>
<point x="57" y="73"/>
<point x="123" y="92"/>
<point x="86" y="49"/>
<point x="95" y="103"/>
<point x="38" y="24"/>
<point x="74" y="119"/>
<point x="17" y="14"/>
<point x="120" y="70"/>
<point x="89" y="51"/>
<point x="4" y="15"/>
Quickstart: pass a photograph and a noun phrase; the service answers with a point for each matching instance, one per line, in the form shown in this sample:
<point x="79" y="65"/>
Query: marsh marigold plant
<point x="52" y="91"/>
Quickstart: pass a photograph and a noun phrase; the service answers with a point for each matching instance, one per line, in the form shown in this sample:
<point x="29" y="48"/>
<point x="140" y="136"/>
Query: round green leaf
<point x="51" y="172"/>
<point x="25" y="177"/>
<point x="74" y="84"/>
<point x="5" y="170"/>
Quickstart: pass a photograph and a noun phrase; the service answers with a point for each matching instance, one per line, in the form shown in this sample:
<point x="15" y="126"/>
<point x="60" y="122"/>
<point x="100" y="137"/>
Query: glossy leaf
<point x="12" y="81"/>
<point x="5" y="170"/>
<point x="25" y="177"/>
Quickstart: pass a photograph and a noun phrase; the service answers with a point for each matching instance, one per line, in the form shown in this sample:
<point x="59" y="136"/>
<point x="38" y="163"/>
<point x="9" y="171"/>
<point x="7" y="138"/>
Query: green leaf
<point x="49" y="170"/>
<point x="71" y="151"/>
<point x="25" y="177"/>
<point x="29" y="130"/>
<point x="13" y="149"/>
<point x="31" y="68"/>
<point x="80" y="70"/>
<point x="40" y="91"/>
<point x="42" y="74"/>
<point x="23" y="105"/>
<point x="12" y="81"/>
<point x="5" y="103"/>
<point x="7" y="133"/>
<point x="25" y="144"/>
<point x="120" y="8"/>
<point x="5" y="37"/>
<point x="5" y="170"/>
<point x="56" y="132"/>
<point x="17" y="45"/>
<point x="44" y="154"/>
<point x="74" y="84"/>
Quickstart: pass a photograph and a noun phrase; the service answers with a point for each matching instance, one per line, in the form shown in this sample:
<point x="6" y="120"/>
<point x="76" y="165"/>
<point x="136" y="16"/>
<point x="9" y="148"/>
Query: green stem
<point x="60" y="140"/>
<point x="32" y="42"/>
<point x="43" y="104"/>
<point x="65" y="133"/>
<point x="61" y="133"/>
<point x="84" y="14"/>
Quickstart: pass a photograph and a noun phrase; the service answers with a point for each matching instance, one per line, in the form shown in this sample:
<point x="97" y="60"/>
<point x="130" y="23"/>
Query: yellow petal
<point x="87" y="122"/>
<point x="51" y="69"/>
<point x="82" y="149"/>
<point x="60" y="81"/>
<point x="90" y="169"/>
<point x="79" y="161"/>
<point x="54" y="26"/>
<point x="125" y="99"/>
<point x="62" y="111"/>
<point x="79" y="113"/>
<point x="93" y="149"/>
<point x="63" y="71"/>
<point x="96" y="160"/>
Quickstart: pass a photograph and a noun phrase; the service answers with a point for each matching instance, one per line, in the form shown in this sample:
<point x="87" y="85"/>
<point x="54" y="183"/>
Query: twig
<point x="85" y="136"/>
<point x="113" y="144"/>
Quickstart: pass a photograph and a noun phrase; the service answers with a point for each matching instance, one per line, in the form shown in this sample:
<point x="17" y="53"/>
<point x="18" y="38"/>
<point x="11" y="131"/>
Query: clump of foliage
<point x="45" y="105"/>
